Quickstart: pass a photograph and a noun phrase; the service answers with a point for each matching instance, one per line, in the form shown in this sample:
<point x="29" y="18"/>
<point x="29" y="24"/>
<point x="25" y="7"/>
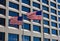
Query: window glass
<point x="53" y="4"/>
<point x="26" y="26"/>
<point x="54" y="32"/>
<point x="36" y="38"/>
<point x="26" y="38"/>
<point x="58" y="6"/>
<point x="53" y="11"/>
<point x="26" y="9"/>
<point x="3" y="2"/>
<point x="54" y="40"/>
<point x="46" y="15"/>
<point x="26" y="1"/>
<point x="58" y="1"/>
<point x="45" y="8"/>
<point x="36" y="5"/>
<point x="45" y="39"/>
<point x="58" y="12"/>
<point x="13" y="37"/>
<point x="2" y="11"/>
<point x="2" y="21"/>
<point x="53" y="17"/>
<point x="38" y="21"/>
<point x="14" y="5"/>
<point x="36" y="28"/>
<point x="46" y="30"/>
<point x="46" y="22"/>
<point x="2" y="36"/>
<point x="54" y="24"/>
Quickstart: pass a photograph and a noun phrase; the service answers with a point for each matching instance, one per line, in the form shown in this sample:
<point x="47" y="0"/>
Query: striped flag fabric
<point x="37" y="15"/>
<point x="16" y="20"/>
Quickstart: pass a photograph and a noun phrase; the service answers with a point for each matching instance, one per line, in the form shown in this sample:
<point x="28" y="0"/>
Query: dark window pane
<point x="36" y="39"/>
<point x="13" y="37"/>
<point x="54" y="32"/>
<point x="3" y="2"/>
<point x="37" y="28"/>
<point x="46" y="22"/>
<point x="11" y="13"/>
<point x="2" y="11"/>
<point x="26" y="9"/>
<point x="45" y="1"/>
<point x="54" y="40"/>
<point x="2" y="21"/>
<point x="45" y="39"/>
<point x="53" y="11"/>
<point x="26" y="26"/>
<point x="36" y="5"/>
<point x="53" y="17"/>
<point x="46" y="15"/>
<point x="54" y="24"/>
<point x="58" y="6"/>
<point x="46" y="30"/>
<point x="2" y="36"/>
<point x="13" y="5"/>
<point x="26" y="1"/>
<point x="45" y="8"/>
<point x="26" y="38"/>
<point x="58" y="12"/>
<point x="38" y="21"/>
<point x="52" y="4"/>
<point x="58" y="1"/>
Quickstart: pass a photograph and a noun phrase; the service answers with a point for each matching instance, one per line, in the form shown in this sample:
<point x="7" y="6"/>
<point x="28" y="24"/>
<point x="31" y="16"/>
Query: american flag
<point x="16" y="20"/>
<point x="37" y="15"/>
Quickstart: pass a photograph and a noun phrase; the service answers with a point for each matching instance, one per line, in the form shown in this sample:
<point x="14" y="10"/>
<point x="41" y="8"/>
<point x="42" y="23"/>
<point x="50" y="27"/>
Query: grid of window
<point x="13" y="37"/>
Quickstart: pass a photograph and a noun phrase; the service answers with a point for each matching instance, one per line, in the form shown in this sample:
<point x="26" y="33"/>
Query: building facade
<point x="47" y="29"/>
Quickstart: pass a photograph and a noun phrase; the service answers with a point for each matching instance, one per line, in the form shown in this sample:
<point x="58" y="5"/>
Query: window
<point x="58" y="6"/>
<point x="38" y="21"/>
<point x="36" y="5"/>
<point x="45" y="39"/>
<point x="45" y="8"/>
<point x="53" y="11"/>
<point x="46" y="15"/>
<point x="46" y="30"/>
<point x="26" y="1"/>
<point x="3" y="2"/>
<point x="38" y="0"/>
<point x="2" y="36"/>
<point x="58" y="1"/>
<point x="26" y="38"/>
<point x="58" y="18"/>
<point x="59" y="25"/>
<point x="25" y="17"/>
<point x="59" y="32"/>
<point x="36" y="28"/>
<point x="54" y="40"/>
<point x="45" y="22"/>
<point x="53" y="17"/>
<point x="58" y="12"/>
<point x="54" y="24"/>
<point x="45" y="1"/>
<point x="14" y="5"/>
<point x="13" y="37"/>
<point x="11" y="13"/>
<point x="26" y="26"/>
<point x="36" y="39"/>
<point x="2" y="21"/>
<point x="2" y="11"/>
<point x="54" y="32"/>
<point x="53" y="4"/>
<point x="34" y="10"/>
<point x="26" y="9"/>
